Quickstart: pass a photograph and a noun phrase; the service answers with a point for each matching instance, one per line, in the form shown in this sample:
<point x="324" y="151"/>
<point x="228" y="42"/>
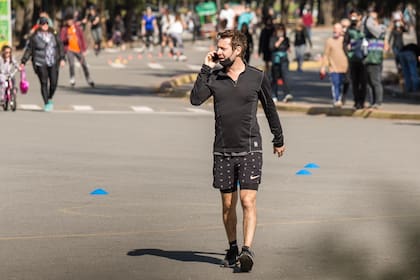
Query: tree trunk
<point x="417" y="5"/>
<point x="326" y="11"/>
<point x="320" y="20"/>
<point x="23" y="26"/>
<point x="284" y="11"/>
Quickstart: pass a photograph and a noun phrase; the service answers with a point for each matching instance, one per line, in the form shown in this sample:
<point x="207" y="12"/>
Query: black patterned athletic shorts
<point x="231" y="171"/>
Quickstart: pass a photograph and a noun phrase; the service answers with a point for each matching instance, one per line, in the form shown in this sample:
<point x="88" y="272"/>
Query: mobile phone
<point x="215" y="57"/>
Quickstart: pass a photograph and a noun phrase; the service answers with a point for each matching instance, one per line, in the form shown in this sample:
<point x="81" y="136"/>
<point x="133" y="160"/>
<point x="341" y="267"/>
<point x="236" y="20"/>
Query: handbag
<point x="24" y="84"/>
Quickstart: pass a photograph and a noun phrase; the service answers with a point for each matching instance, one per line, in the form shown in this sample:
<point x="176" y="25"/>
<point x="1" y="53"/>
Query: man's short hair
<point x="238" y="39"/>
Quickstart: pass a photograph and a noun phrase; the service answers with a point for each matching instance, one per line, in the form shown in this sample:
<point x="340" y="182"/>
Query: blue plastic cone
<point x="99" y="192"/>
<point x="312" y="165"/>
<point x="303" y="172"/>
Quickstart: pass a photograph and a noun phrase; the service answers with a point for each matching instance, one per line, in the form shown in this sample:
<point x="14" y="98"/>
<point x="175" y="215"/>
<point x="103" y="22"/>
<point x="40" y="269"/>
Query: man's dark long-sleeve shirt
<point x="235" y="108"/>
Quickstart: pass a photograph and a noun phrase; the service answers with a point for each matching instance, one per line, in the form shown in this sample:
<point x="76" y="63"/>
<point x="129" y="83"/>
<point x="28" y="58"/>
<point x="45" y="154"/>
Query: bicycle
<point x="9" y="95"/>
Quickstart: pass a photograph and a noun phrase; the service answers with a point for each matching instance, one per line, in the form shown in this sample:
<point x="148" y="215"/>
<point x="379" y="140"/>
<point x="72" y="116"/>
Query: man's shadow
<point x="183" y="256"/>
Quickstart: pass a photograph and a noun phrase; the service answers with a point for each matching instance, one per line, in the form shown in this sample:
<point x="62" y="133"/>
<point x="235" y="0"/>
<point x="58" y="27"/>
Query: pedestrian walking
<point x="308" y="19"/>
<point x="47" y="53"/>
<point x="236" y="89"/>
<point x="75" y="48"/>
<point x="302" y="39"/>
<point x="279" y="47"/>
<point x="336" y="60"/>
<point x="148" y="27"/>
<point x="396" y="40"/>
<point x="264" y="43"/>
<point x="175" y="32"/>
<point x="95" y="27"/>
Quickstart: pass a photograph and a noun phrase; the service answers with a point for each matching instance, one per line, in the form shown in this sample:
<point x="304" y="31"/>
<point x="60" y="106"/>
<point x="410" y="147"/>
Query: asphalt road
<point x="356" y="217"/>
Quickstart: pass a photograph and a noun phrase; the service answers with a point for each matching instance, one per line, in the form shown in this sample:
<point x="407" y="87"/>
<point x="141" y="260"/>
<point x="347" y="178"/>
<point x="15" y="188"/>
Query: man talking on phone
<point x="236" y="89"/>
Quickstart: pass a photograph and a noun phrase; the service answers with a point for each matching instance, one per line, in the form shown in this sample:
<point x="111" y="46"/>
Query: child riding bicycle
<point x="8" y="66"/>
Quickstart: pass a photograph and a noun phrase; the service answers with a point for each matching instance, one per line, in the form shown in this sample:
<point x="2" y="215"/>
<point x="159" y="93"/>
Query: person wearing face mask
<point x="46" y="50"/>
<point x="335" y="58"/>
<point x="279" y="46"/>
<point x="396" y="40"/>
<point x="375" y="36"/>
<point x="353" y="43"/>
<point x="236" y="89"/>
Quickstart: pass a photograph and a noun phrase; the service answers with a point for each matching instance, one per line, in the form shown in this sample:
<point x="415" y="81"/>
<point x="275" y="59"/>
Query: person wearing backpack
<point x="375" y="36"/>
<point x="353" y="43"/>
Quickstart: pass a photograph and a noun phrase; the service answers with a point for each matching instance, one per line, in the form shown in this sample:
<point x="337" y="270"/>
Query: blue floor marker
<point x="99" y="192"/>
<point x="303" y="172"/>
<point x="312" y="165"/>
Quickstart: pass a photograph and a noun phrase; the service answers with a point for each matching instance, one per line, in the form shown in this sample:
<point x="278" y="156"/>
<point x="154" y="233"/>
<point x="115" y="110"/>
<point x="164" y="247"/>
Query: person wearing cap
<point x="75" y="47"/>
<point x="47" y="54"/>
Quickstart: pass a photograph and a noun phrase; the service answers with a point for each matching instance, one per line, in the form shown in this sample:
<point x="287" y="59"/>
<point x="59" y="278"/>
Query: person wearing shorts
<point x="236" y="89"/>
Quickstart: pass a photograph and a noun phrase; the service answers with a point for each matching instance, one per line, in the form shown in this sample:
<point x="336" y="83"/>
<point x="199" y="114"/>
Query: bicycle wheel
<point x="13" y="104"/>
<point x="6" y="101"/>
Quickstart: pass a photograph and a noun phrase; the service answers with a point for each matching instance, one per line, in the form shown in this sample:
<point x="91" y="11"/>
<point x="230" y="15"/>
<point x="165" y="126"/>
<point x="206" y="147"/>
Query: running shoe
<point x="231" y="257"/>
<point x="246" y="260"/>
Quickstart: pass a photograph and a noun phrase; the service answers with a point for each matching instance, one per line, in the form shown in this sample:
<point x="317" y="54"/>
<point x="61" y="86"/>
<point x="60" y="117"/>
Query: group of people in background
<point x="355" y="54"/>
<point x="352" y="58"/>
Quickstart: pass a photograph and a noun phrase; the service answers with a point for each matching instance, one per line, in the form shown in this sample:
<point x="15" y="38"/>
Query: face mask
<point x="226" y="62"/>
<point x="397" y="24"/>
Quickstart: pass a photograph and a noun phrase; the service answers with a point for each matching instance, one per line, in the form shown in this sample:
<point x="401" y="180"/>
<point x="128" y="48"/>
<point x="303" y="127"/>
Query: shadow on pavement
<point x="377" y="248"/>
<point x="183" y="256"/>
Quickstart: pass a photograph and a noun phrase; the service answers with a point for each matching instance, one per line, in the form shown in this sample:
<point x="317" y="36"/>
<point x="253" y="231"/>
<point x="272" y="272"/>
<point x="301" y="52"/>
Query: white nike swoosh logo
<point x="254" y="177"/>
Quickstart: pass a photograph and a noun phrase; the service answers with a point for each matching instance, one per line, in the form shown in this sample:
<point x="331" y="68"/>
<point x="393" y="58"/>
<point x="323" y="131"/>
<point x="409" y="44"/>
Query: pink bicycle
<point x="9" y="95"/>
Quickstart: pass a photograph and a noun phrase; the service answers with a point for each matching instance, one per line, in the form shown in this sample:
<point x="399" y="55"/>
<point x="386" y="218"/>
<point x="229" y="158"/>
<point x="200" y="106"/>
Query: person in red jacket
<point x="75" y="47"/>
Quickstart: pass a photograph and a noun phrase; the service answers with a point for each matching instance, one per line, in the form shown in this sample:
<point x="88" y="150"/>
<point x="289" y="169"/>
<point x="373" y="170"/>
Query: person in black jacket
<point x="264" y="43"/>
<point x="236" y="88"/>
<point x="47" y="54"/>
<point x="249" y="42"/>
<point x="279" y="46"/>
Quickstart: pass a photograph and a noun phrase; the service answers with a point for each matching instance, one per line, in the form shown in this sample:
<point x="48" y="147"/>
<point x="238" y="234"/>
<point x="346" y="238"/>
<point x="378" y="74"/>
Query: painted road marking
<point x="142" y="109"/>
<point x="31" y="107"/>
<point x="117" y="65"/>
<point x="82" y="108"/>
<point x="155" y="65"/>
<point x="194" y="67"/>
<point x="198" y="111"/>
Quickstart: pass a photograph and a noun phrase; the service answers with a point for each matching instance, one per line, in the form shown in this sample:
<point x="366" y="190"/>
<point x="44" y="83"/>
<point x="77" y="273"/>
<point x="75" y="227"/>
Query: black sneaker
<point x="231" y="257"/>
<point x="246" y="260"/>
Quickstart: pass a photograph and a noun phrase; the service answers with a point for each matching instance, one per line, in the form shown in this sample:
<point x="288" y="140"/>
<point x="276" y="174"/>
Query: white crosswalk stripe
<point x="29" y="107"/>
<point x="142" y="109"/>
<point x="83" y="108"/>
<point x="117" y="65"/>
<point x="194" y="67"/>
<point x="198" y="111"/>
<point x="154" y="65"/>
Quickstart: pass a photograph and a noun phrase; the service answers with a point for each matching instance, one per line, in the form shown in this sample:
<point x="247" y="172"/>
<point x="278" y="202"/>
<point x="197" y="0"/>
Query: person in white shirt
<point x="175" y="32"/>
<point x="228" y="14"/>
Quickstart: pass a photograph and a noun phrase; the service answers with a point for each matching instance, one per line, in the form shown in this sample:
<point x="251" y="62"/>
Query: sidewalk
<point x="313" y="96"/>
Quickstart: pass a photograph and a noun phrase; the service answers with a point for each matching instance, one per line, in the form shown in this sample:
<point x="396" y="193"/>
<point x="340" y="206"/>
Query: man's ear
<point x="238" y="50"/>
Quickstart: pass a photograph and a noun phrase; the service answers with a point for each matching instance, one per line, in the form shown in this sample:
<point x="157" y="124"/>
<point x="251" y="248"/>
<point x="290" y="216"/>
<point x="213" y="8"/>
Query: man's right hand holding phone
<point x="211" y="59"/>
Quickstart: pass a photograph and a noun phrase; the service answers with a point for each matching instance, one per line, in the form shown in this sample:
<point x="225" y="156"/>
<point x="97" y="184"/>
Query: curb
<point x="176" y="88"/>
